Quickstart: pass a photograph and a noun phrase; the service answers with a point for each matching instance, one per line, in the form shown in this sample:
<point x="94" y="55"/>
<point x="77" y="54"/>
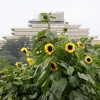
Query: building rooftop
<point x="59" y="18"/>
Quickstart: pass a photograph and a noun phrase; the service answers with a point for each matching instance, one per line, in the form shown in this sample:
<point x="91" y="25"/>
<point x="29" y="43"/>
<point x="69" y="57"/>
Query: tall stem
<point x="49" y="24"/>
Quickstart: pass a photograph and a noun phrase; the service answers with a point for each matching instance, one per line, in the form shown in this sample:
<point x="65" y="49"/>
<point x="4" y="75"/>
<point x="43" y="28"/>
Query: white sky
<point x="17" y="13"/>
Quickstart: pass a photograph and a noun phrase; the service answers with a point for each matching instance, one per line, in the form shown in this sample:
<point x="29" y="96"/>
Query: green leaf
<point x="73" y="81"/>
<point x="77" y="68"/>
<point x="52" y="97"/>
<point x="92" y="91"/>
<point x="70" y="70"/>
<point x="90" y="79"/>
<point x="52" y="36"/>
<point x="9" y="98"/>
<point x="63" y="64"/>
<point x="37" y="70"/>
<point x="41" y="33"/>
<point x="83" y="64"/>
<point x="1" y="90"/>
<point x="45" y="86"/>
<point x="43" y="14"/>
<point x="24" y="98"/>
<point x="83" y="76"/>
<point x="17" y="78"/>
<point x="33" y="96"/>
<point x="8" y="85"/>
<point x="77" y="95"/>
<point x="84" y="89"/>
<point x="55" y="76"/>
<point x="86" y="77"/>
<point x="80" y="54"/>
<point x="6" y="96"/>
<point x="42" y="74"/>
<point x="17" y="82"/>
<point x="45" y="63"/>
<point x="58" y="87"/>
<point x="53" y="17"/>
<point x="1" y="81"/>
<point x="12" y="89"/>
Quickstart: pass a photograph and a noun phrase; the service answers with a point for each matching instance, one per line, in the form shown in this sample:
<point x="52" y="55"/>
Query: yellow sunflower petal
<point x="81" y="45"/>
<point x="24" y="50"/>
<point x="18" y="65"/>
<point x="70" y="47"/>
<point x="53" y="66"/>
<point x="49" y="48"/>
<point x="30" y="61"/>
<point x="88" y="59"/>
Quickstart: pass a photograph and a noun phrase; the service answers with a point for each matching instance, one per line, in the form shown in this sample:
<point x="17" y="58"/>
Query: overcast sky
<point x="17" y="13"/>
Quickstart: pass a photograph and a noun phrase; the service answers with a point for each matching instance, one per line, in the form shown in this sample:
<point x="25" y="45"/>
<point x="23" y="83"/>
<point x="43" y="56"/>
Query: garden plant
<point x="57" y="68"/>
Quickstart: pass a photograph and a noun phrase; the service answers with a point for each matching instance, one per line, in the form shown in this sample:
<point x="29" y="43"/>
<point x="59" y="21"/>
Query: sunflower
<point x="88" y="60"/>
<point x="30" y="61"/>
<point x="18" y="65"/>
<point x="44" y="15"/>
<point x="53" y="66"/>
<point x="49" y="48"/>
<point x="65" y="29"/>
<point x="24" y="50"/>
<point x="81" y="45"/>
<point x="70" y="47"/>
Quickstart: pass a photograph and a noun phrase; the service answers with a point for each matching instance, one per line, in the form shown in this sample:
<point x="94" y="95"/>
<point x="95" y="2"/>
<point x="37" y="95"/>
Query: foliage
<point x="3" y="62"/>
<point x="62" y="70"/>
<point x="11" y="49"/>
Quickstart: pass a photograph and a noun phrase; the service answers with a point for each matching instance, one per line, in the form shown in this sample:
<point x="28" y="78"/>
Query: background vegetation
<point x="11" y="51"/>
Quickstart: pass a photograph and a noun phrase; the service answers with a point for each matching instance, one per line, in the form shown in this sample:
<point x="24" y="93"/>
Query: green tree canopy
<point x="12" y="49"/>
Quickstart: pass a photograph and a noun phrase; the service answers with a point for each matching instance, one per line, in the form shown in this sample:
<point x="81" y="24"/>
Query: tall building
<point x="74" y="31"/>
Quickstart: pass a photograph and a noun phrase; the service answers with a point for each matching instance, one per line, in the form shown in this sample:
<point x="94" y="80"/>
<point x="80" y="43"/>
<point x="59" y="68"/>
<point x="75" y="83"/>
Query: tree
<point x="3" y="62"/>
<point x="12" y="49"/>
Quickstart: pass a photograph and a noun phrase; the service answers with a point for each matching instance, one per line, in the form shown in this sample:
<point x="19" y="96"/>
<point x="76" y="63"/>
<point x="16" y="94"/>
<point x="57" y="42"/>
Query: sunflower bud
<point x="65" y="29"/>
<point x="45" y="16"/>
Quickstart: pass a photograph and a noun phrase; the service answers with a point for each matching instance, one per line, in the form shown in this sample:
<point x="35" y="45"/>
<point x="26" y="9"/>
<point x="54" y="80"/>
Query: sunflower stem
<point x="48" y="23"/>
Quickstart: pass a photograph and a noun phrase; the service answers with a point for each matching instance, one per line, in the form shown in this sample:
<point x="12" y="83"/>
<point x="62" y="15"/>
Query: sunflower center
<point x="81" y="45"/>
<point x="52" y="66"/>
<point x="88" y="59"/>
<point x="24" y="51"/>
<point x="19" y="65"/>
<point x="65" y="29"/>
<point x="70" y="47"/>
<point x="45" y="17"/>
<point x="49" y="48"/>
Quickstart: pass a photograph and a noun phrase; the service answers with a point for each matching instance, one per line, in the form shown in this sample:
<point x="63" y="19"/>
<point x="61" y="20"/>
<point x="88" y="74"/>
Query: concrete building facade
<point x="74" y="31"/>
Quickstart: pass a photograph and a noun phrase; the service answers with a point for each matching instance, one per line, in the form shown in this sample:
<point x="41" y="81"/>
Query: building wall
<point x="59" y="16"/>
<point x="95" y="42"/>
<point x="74" y="31"/>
